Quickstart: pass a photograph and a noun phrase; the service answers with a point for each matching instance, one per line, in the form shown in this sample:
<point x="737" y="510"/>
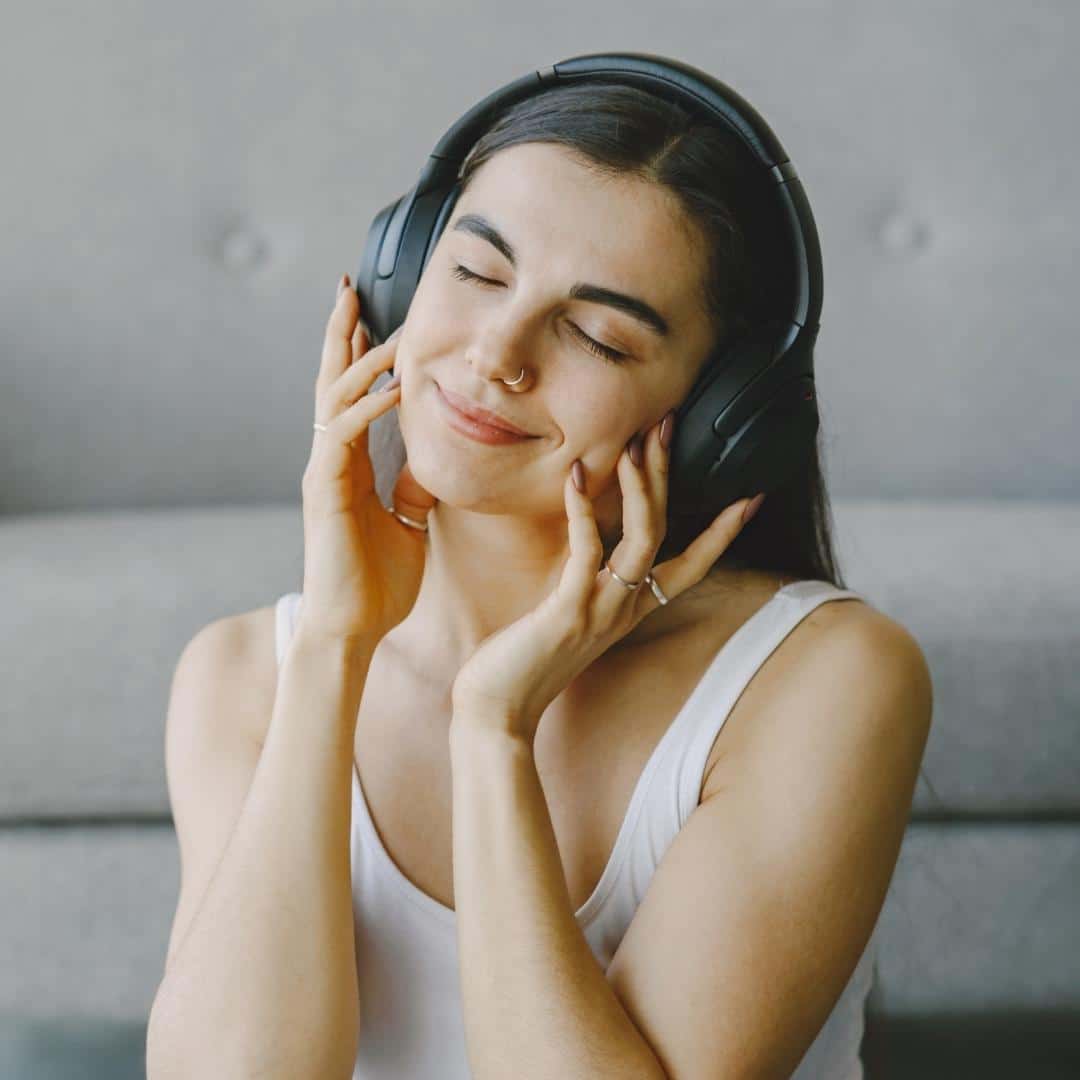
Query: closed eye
<point x="605" y="351"/>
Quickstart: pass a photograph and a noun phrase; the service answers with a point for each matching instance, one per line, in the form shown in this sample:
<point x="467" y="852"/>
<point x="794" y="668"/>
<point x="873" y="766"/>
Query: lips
<point x="483" y="416"/>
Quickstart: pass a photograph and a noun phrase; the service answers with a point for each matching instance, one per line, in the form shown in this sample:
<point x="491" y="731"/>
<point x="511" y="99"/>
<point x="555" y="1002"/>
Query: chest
<point x="593" y="743"/>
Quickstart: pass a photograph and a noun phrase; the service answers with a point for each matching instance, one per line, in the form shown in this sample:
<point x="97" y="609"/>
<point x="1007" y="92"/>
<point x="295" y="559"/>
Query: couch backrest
<point x="185" y="185"/>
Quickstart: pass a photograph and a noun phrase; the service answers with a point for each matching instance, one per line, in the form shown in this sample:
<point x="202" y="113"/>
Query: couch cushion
<point x="66" y="1047"/>
<point x="995" y="1046"/>
<point x="97" y="608"/>
<point x="978" y="919"/>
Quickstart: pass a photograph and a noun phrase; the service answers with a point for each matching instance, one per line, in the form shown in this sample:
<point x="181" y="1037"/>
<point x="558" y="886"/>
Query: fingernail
<point x="389" y="384"/>
<point x="343" y="284"/>
<point x="752" y="507"/>
<point x="577" y="471"/>
<point x="634" y="448"/>
<point x="667" y="429"/>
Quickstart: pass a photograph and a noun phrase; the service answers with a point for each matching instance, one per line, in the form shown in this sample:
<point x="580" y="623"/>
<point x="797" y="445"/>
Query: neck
<point x="485" y="571"/>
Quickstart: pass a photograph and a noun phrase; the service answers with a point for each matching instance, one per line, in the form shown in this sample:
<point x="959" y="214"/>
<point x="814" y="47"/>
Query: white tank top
<point x="406" y="942"/>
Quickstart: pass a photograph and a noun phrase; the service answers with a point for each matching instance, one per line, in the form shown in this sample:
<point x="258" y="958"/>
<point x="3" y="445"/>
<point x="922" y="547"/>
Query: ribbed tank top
<point x="406" y="942"/>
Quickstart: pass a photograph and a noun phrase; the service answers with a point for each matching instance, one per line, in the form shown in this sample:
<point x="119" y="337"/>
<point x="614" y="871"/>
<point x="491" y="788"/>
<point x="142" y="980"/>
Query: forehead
<point x="564" y="218"/>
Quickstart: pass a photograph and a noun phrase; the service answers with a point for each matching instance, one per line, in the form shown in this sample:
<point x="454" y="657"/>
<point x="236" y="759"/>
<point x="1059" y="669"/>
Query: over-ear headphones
<point x="750" y="420"/>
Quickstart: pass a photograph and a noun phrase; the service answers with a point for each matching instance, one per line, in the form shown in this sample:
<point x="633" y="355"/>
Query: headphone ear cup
<point x="769" y="448"/>
<point x="375" y="278"/>
<point x="743" y="433"/>
<point x="387" y="281"/>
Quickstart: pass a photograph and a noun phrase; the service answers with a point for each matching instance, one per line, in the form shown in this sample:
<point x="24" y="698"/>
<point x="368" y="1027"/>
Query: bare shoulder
<point x="867" y="637"/>
<point x="845" y="669"/>
<point x="234" y="659"/>
<point x="219" y="710"/>
<point x="848" y="648"/>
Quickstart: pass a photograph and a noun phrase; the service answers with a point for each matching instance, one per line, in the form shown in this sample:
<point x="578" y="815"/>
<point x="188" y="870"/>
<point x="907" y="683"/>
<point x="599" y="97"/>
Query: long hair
<point x="619" y="130"/>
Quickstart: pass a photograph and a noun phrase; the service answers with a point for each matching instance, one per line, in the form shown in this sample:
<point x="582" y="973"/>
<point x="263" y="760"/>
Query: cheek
<point x="431" y="310"/>
<point x="597" y="417"/>
<point x="428" y="333"/>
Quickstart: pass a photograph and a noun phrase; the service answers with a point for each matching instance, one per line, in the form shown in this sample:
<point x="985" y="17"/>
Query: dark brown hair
<point x="619" y="130"/>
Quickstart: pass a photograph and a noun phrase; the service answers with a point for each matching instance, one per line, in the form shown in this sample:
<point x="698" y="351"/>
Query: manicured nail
<point x="343" y="284"/>
<point x="577" y="471"/>
<point x="752" y="507"/>
<point x="667" y="429"/>
<point x="634" y="449"/>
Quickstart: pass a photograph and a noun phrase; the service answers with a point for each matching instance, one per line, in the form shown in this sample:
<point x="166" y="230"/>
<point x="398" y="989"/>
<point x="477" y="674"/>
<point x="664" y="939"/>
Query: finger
<point x="361" y="340"/>
<point x="643" y="527"/>
<point x="586" y="547"/>
<point x="657" y="461"/>
<point x="349" y="420"/>
<point x="355" y="382"/>
<point x="688" y="568"/>
<point x="410" y="497"/>
<point x="337" y="340"/>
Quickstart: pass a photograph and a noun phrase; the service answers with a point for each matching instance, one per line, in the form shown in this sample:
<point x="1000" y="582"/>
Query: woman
<point x="536" y="884"/>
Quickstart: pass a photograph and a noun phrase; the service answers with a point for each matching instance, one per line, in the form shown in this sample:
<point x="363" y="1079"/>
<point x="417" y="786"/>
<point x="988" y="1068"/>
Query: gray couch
<point x="183" y="194"/>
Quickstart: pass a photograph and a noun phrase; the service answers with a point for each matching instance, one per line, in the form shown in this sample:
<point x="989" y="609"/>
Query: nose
<point x="496" y="352"/>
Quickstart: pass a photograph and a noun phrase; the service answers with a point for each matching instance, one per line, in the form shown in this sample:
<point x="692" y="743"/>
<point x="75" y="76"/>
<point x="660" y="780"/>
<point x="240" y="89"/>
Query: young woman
<point x="524" y="782"/>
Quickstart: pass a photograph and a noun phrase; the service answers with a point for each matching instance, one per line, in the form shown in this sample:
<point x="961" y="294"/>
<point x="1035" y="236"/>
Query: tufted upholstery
<point x="184" y="186"/>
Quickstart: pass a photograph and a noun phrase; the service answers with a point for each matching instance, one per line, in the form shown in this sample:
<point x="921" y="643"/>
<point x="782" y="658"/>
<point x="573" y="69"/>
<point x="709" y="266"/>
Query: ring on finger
<point x="648" y="579"/>
<point x="632" y="586"/>
<point x="656" y="590"/>
<point x="421" y="526"/>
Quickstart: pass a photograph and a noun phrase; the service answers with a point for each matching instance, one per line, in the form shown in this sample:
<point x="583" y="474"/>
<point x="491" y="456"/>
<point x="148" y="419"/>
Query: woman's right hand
<point x="362" y="566"/>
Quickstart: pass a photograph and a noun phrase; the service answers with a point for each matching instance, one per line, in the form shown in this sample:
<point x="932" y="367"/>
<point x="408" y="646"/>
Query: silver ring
<point x="622" y="581"/>
<point x="320" y="427"/>
<point x="517" y="380"/>
<point x="656" y="590"/>
<point x="413" y="524"/>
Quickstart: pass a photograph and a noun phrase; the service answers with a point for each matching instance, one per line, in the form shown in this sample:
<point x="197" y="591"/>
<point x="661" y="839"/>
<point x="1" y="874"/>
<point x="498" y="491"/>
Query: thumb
<point x="409" y="497"/>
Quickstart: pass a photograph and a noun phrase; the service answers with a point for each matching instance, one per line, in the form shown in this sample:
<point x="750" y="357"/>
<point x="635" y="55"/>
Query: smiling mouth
<point x="475" y="412"/>
<point x="477" y="429"/>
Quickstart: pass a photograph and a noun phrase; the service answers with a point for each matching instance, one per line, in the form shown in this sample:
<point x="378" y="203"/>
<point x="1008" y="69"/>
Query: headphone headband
<point x="751" y="418"/>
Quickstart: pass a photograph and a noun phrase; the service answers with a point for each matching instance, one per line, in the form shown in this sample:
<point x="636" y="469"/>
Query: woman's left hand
<point x="518" y="671"/>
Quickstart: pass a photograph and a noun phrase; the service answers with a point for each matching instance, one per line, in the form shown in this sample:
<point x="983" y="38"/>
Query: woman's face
<point x="565" y="226"/>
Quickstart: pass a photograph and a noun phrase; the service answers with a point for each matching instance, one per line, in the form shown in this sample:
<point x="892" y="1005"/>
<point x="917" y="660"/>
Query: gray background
<point x="184" y="184"/>
<point x="182" y="188"/>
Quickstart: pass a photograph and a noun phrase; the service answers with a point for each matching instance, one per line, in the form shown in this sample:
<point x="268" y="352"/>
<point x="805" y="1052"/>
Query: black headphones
<point x="750" y="420"/>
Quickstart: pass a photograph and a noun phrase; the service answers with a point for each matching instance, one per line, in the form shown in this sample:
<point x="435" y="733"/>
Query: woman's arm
<point x="264" y="981"/>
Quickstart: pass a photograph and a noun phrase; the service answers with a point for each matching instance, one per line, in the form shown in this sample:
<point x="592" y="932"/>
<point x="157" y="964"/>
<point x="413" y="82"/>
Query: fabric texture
<point x="406" y="943"/>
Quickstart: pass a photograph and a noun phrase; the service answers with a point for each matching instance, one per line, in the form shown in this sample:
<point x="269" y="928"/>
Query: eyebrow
<point x="597" y="294"/>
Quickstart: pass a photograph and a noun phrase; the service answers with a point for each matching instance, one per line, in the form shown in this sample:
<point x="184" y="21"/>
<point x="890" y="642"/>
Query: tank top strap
<point x="738" y="661"/>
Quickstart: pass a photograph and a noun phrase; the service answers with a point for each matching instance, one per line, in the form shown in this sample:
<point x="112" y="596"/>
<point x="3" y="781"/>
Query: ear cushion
<point x="375" y="278"/>
<point x="746" y="426"/>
